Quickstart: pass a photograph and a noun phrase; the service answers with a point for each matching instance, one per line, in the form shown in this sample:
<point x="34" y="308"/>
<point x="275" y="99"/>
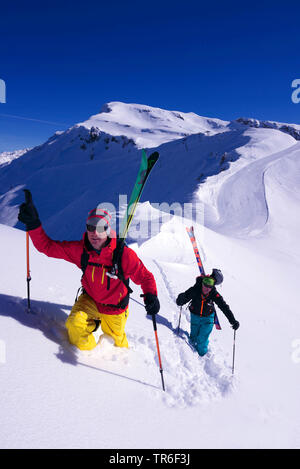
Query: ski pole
<point x="28" y="272"/>
<point x="158" y="352"/>
<point x="138" y="302"/>
<point x="179" y="320"/>
<point x="233" y="352"/>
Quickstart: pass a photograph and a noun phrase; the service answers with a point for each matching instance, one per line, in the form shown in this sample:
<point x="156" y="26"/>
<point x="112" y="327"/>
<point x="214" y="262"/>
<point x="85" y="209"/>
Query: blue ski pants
<point x="201" y="327"/>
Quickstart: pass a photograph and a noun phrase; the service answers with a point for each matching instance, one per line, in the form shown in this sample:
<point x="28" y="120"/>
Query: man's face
<point x="97" y="239"/>
<point x="206" y="289"/>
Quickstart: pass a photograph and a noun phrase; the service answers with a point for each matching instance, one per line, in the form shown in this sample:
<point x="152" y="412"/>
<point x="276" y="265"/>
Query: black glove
<point x="28" y="213"/>
<point x="180" y="301"/>
<point x="151" y="303"/>
<point x="235" y="325"/>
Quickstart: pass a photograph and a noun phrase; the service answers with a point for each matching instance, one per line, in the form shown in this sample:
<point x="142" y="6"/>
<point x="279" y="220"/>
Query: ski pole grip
<point x="28" y="196"/>
<point x="154" y="322"/>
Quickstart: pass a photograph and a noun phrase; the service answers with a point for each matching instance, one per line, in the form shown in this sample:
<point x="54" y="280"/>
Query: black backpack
<point x="113" y="271"/>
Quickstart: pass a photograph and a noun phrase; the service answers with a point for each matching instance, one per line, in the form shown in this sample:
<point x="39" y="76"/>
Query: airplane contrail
<point x="34" y="120"/>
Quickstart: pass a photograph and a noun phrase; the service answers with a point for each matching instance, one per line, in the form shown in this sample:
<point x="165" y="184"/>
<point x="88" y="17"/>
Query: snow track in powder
<point x="190" y="379"/>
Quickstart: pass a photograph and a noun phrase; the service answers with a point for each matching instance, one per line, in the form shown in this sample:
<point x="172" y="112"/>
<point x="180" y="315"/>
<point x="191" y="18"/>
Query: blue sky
<point x="62" y="60"/>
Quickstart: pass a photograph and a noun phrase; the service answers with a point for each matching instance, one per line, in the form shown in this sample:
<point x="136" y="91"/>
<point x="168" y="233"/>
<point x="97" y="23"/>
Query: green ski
<point x="143" y="174"/>
<point x="144" y="171"/>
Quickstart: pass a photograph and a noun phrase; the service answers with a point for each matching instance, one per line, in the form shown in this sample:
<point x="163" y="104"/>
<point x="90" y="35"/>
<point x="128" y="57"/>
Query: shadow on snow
<point x="49" y="318"/>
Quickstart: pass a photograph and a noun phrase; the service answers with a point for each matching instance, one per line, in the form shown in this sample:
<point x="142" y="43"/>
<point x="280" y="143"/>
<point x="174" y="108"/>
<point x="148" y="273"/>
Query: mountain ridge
<point x="74" y="170"/>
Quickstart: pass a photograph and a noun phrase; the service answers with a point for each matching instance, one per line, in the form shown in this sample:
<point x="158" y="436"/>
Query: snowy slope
<point x="6" y="157"/>
<point x="47" y="382"/>
<point x="58" y="397"/>
<point x="237" y="203"/>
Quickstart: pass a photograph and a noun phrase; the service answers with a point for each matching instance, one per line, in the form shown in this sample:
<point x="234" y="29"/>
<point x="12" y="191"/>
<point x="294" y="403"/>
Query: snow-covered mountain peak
<point x="151" y="126"/>
<point x="97" y="160"/>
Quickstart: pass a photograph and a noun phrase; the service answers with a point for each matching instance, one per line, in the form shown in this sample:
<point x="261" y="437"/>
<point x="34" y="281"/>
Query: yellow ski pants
<point x="81" y="323"/>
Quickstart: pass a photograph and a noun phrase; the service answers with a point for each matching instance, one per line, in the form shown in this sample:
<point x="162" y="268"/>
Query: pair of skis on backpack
<point x="191" y="234"/>
<point x="146" y="166"/>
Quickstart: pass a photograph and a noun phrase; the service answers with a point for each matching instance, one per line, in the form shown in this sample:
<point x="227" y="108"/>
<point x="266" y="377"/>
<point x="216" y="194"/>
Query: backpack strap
<point x="117" y="270"/>
<point x="84" y="261"/>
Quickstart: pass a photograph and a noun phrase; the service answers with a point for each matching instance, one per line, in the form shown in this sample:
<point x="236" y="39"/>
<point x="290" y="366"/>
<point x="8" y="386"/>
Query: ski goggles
<point x="208" y="282"/>
<point x="99" y="228"/>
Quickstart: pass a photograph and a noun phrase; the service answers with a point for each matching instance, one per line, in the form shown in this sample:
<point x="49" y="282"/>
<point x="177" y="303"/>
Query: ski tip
<point x="153" y="157"/>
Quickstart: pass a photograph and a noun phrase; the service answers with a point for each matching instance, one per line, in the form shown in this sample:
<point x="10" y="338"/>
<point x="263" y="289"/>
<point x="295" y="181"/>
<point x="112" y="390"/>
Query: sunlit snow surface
<point x="57" y="397"/>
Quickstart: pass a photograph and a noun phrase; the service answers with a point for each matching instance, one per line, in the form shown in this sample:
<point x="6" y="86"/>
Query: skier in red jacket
<point x="104" y="298"/>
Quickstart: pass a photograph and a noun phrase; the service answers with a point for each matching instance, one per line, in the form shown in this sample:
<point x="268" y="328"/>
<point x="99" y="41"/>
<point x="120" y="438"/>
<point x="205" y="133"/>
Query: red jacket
<point x="94" y="280"/>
